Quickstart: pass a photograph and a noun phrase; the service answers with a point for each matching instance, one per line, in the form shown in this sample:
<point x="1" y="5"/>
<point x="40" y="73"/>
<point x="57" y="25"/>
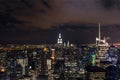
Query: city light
<point x="2" y="70"/>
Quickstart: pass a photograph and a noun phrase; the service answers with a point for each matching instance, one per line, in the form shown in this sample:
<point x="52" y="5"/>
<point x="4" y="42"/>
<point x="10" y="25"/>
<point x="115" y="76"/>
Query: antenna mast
<point x="99" y="32"/>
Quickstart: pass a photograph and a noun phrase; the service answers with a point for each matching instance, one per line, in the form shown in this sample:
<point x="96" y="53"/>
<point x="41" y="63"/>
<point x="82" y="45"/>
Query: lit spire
<point x="59" y="35"/>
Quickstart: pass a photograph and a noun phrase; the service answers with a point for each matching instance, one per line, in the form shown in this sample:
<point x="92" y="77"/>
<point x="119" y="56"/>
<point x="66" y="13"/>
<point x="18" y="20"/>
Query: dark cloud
<point x="46" y="3"/>
<point x="21" y="13"/>
<point x="27" y="3"/>
<point x="110" y="4"/>
<point x="74" y="27"/>
<point x="8" y="22"/>
<point x="41" y="20"/>
<point x="48" y="13"/>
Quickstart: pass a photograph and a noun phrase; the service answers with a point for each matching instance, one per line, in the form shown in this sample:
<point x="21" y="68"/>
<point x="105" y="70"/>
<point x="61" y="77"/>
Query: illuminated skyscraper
<point x="59" y="41"/>
<point x="93" y="57"/>
<point x="68" y="44"/>
<point x="101" y="44"/>
<point x="53" y="55"/>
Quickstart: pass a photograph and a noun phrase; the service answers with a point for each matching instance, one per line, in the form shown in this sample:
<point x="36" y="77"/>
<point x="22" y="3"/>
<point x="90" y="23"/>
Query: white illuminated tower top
<point x="101" y="44"/>
<point x="59" y="41"/>
<point x="99" y="41"/>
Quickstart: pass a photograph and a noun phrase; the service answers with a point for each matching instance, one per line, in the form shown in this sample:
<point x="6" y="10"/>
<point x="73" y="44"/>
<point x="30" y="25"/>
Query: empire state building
<point x="59" y="41"/>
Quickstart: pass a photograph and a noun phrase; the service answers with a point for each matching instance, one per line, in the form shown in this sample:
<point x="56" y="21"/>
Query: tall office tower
<point x="43" y="62"/>
<point x="101" y="44"/>
<point x="53" y="55"/>
<point x="23" y="62"/>
<point x="59" y="41"/>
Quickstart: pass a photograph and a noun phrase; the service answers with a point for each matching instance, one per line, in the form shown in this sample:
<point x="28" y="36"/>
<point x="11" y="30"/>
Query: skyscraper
<point x="59" y="41"/>
<point x="101" y="44"/>
<point x="53" y="55"/>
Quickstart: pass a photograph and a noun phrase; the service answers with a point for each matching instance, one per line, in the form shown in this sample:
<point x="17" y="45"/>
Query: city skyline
<point x="41" y="21"/>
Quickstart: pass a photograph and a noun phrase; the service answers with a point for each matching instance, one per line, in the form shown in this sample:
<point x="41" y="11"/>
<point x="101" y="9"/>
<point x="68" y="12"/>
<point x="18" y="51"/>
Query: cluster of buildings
<point x="103" y="60"/>
<point x="61" y="61"/>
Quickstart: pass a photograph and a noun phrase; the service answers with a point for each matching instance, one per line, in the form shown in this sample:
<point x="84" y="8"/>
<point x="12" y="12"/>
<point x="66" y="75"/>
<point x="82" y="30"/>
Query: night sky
<point x="40" y="21"/>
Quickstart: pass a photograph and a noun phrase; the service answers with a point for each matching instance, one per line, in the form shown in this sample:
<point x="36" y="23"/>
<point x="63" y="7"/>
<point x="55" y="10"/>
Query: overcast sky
<point x="40" y="21"/>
